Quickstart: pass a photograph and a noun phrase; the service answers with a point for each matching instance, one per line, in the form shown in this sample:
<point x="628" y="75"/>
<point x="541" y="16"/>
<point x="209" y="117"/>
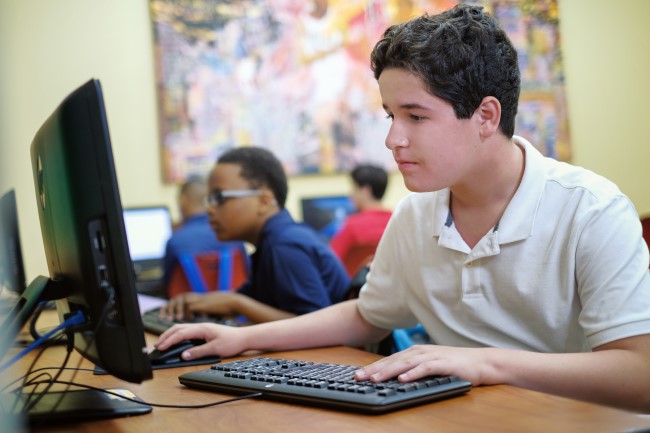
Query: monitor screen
<point x="147" y="230"/>
<point x="83" y="232"/>
<point x="326" y="214"/>
<point x="12" y="271"/>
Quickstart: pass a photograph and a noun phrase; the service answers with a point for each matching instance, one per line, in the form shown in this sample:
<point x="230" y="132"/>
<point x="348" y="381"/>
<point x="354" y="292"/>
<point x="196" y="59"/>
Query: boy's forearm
<point x="340" y="324"/>
<point x="258" y="312"/>
<point x="614" y="377"/>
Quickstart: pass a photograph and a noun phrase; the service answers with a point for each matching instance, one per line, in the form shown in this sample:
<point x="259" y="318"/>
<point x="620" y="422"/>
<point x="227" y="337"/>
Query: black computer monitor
<point x="83" y="233"/>
<point x="90" y="272"/>
<point x="12" y="270"/>
<point x="326" y="214"/>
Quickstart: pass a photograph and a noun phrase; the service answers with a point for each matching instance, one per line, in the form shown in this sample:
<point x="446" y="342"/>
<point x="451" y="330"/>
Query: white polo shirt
<point x="565" y="270"/>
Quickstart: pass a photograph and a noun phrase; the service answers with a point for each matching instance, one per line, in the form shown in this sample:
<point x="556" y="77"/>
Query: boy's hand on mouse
<point x="220" y="340"/>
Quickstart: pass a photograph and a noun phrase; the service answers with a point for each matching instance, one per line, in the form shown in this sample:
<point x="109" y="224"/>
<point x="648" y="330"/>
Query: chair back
<point x="224" y="269"/>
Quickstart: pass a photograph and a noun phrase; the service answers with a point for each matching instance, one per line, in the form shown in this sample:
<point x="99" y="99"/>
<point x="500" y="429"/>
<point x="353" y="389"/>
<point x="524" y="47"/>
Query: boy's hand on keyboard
<point x="220" y="340"/>
<point x="423" y="360"/>
<point x="178" y="307"/>
<point x="184" y="306"/>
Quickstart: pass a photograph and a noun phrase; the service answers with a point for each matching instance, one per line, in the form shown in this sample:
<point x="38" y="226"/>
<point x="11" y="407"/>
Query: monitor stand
<point x="59" y="405"/>
<point x="80" y="405"/>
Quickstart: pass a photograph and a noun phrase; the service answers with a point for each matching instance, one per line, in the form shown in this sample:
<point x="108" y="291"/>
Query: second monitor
<point x="326" y="214"/>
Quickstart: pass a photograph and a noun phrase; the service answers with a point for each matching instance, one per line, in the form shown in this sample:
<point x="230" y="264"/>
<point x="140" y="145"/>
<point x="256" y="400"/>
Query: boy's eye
<point x="416" y="117"/>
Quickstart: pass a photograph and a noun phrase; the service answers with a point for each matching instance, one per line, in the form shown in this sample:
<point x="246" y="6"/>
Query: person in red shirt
<point x="361" y="231"/>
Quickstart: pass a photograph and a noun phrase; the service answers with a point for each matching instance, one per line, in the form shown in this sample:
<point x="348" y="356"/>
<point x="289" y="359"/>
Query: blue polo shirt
<point x="293" y="270"/>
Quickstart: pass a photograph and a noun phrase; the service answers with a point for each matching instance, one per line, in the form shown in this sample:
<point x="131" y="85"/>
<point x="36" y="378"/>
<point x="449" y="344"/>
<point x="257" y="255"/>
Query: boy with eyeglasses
<point x="293" y="271"/>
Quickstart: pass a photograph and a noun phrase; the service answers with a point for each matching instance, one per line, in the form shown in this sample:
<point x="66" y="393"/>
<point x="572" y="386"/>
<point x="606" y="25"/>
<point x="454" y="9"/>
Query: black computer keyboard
<point x="326" y="385"/>
<point x="157" y="325"/>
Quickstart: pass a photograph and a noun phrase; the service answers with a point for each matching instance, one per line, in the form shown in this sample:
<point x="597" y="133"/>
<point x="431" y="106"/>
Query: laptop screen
<point x="147" y="230"/>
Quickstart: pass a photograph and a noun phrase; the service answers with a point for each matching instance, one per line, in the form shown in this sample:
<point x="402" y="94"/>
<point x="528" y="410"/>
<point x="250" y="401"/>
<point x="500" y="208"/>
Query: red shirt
<point x="363" y="228"/>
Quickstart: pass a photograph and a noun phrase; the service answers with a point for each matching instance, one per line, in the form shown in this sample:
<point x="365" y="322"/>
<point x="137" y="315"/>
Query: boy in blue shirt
<point x="293" y="272"/>
<point x="193" y="234"/>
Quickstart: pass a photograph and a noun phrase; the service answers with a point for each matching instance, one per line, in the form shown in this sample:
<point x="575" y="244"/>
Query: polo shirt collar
<point x="518" y="220"/>
<point x="440" y="211"/>
<point x="519" y="217"/>
<point x="197" y="218"/>
<point x="280" y="219"/>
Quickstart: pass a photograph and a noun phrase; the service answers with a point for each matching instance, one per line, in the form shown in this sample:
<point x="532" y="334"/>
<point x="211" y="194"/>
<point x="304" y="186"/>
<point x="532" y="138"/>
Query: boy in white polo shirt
<point x="523" y="270"/>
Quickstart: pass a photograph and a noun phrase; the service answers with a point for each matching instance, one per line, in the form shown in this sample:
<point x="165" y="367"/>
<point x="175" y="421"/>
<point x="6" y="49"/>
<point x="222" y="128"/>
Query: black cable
<point x="35" y="333"/>
<point x="171" y="406"/>
<point x="32" y="323"/>
<point x="35" y="396"/>
<point x="31" y="401"/>
<point x="34" y="382"/>
<point x="31" y="366"/>
<point x="69" y="332"/>
<point x="29" y="404"/>
<point x="4" y="388"/>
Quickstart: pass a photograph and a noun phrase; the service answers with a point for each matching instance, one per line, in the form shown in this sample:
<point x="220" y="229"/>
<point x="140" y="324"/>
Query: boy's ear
<point x="268" y="199"/>
<point x="489" y="112"/>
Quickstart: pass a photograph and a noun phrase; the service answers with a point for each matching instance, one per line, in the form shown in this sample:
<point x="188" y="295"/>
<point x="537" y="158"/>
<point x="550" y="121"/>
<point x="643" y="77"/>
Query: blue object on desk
<point x="407" y="337"/>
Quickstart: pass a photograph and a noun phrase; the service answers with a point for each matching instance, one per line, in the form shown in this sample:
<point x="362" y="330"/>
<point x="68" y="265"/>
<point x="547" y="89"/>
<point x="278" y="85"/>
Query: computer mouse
<point x="172" y="354"/>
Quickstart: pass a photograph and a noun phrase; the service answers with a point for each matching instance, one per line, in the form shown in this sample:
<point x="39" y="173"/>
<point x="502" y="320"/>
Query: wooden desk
<point x="499" y="409"/>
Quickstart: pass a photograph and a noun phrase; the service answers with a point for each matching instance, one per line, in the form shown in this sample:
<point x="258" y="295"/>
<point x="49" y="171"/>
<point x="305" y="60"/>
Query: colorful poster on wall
<point x="294" y="76"/>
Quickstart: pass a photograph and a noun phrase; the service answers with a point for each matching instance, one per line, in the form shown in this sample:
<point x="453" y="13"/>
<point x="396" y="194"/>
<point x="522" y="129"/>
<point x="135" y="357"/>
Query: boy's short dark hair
<point x="373" y="176"/>
<point x="462" y="55"/>
<point x="261" y="168"/>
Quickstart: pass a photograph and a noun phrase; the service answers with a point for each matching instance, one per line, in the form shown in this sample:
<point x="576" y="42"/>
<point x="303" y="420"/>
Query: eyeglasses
<point x="217" y="198"/>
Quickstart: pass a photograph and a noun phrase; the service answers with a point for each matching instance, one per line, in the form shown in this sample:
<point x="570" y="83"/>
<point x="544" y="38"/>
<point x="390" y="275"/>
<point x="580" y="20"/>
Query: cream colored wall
<point x="607" y="65"/>
<point x="48" y="48"/>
